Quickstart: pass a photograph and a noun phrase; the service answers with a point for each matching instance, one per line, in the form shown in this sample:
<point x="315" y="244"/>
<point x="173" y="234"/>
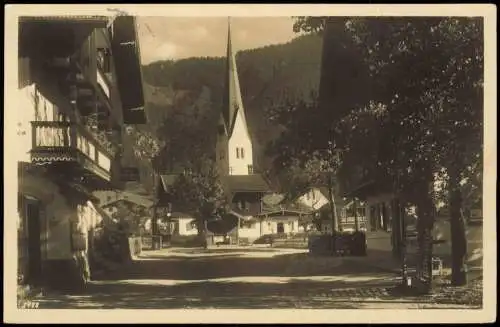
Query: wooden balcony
<point x="70" y="144"/>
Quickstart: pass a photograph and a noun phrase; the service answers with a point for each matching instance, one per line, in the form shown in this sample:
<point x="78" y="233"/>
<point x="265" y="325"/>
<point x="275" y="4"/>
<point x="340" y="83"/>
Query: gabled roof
<point x="323" y="190"/>
<point x="293" y="207"/>
<point x="168" y="180"/>
<point x="273" y="199"/>
<point x="146" y="203"/>
<point x="246" y="183"/>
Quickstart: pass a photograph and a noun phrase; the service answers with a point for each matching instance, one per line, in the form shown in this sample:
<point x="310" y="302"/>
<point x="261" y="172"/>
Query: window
<point x="250" y="169"/>
<point x="103" y="59"/>
<point x="238" y="153"/>
<point x="230" y="170"/>
<point x="242" y="153"/>
<point x="247" y="224"/>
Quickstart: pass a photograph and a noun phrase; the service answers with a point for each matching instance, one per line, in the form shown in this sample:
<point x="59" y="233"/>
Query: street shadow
<point x="221" y="250"/>
<point x="214" y="294"/>
<point x="208" y="267"/>
<point x="174" y="257"/>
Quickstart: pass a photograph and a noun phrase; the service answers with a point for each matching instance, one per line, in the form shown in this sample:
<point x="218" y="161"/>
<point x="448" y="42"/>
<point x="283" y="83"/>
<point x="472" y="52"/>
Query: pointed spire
<point x="228" y="36"/>
<point x="233" y="101"/>
<point x="229" y="54"/>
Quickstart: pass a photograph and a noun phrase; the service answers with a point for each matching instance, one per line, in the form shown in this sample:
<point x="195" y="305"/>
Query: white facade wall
<point x="239" y="141"/>
<point x="251" y="233"/>
<point x="270" y="226"/>
<point x="58" y="218"/>
<point x="185" y="228"/>
<point x="25" y="115"/>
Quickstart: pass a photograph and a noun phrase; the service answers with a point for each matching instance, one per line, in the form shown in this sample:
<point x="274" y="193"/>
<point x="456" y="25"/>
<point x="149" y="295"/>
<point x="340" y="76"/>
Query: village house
<point x="75" y="77"/>
<point x="182" y="224"/>
<point x="124" y="199"/>
<point x="179" y="223"/>
<point x="278" y="216"/>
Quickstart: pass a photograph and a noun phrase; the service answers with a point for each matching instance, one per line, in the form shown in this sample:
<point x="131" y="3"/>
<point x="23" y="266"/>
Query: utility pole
<point x="333" y="207"/>
<point x="356" y="222"/>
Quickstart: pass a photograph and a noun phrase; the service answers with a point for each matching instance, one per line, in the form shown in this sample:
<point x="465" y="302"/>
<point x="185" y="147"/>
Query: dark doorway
<point x="34" y="243"/>
<point x="280" y="228"/>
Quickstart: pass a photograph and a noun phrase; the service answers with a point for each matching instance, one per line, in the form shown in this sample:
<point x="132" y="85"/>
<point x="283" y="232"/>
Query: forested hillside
<point x="189" y="91"/>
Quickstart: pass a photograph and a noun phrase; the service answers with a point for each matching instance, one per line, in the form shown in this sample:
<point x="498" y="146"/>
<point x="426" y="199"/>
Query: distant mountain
<point x="268" y="75"/>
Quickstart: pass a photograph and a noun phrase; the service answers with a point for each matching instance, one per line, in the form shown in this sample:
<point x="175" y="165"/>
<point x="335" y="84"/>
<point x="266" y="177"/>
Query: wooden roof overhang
<point x="36" y="33"/>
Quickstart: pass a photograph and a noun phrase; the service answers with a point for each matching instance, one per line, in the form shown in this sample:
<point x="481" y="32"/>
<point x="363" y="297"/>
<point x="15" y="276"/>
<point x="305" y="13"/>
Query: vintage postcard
<point x="250" y="163"/>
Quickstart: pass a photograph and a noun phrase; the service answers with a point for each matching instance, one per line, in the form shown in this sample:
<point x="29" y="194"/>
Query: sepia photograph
<point x="163" y="157"/>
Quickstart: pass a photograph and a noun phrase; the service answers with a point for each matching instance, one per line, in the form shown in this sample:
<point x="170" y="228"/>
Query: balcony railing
<point x="102" y="81"/>
<point x="66" y="141"/>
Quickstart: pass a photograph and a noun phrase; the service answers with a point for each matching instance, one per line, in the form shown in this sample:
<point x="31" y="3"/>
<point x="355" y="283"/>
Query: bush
<point x="338" y="243"/>
<point x="321" y="244"/>
<point x="358" y="245"/>
<point x="188" y="241"/>
<point x="264" y="239"/>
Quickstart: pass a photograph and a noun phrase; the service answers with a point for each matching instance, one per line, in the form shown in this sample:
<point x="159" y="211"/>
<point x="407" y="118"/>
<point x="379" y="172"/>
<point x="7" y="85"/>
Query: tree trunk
<point x="425" y="223"/>
<point x="154" y="228"/>
<point x="396" y="228"/>
<point x="201" y="229"/>
<point x="200" y="226"/>
<point x="205" y="233"/>
<point x="333" y="207"/>
<point x="458" y="234"/>
<point x="238" y="232"/>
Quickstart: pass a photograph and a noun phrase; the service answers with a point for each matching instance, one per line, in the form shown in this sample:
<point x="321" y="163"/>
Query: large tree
<point x="310" y="134"/>
<point x="173" y="142"/>
<point x="439" y="104"/>
<point x="425" y="88"/>
<point x="199" y="192"/>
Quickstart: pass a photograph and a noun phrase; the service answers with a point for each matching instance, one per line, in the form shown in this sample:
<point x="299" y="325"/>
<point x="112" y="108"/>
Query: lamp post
<point x="155" y="237"/>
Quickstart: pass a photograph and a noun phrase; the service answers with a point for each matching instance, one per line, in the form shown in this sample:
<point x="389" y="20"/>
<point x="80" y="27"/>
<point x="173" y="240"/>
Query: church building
<point x="244" y="185"/>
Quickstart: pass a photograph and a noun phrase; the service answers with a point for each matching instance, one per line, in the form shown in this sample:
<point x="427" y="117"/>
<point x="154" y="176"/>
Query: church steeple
<point x="234" y="144"/>
<point x="233" y="102"/>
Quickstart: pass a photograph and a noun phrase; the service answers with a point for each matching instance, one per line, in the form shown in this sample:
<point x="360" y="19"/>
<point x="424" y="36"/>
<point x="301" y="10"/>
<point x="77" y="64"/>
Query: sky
<point x="172" y="38"/>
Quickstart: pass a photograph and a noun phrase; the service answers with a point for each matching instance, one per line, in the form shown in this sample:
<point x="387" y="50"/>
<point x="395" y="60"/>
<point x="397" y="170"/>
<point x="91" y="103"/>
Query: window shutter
<point x="126" y="56"/>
